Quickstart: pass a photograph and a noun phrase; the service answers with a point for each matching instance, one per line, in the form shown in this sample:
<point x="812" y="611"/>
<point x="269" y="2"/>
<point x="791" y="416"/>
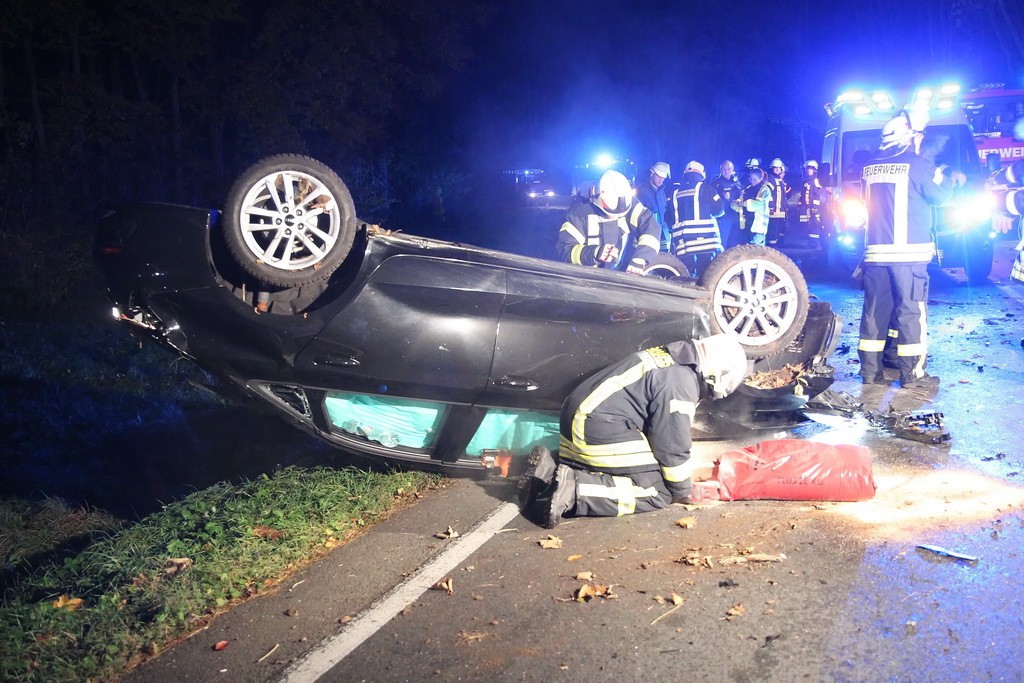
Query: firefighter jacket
<point x="587" y="228"/>
<point x="780" y="193"/>
<point x="754" y="207"/>
<point x="900" y="191"/>
<point x="730" y="188"/>
<point x="809" y="202"/>
<point x="635" y="416"/>
<point x="655" y="199"/>
<point x="692" y="215"/>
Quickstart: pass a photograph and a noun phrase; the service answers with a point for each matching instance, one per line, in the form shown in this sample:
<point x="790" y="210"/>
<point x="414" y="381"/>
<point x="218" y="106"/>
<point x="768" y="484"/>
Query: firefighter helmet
<point x="614" y="194"/>
<point x="753" y="163"/>
<point x="901" y="128"/>
<point x="662" y="170"/>
<point x="695" y="167"/>
<point x="777" y="163"/>
<point x="722" y="363"/>
<point x="811" y="163"/>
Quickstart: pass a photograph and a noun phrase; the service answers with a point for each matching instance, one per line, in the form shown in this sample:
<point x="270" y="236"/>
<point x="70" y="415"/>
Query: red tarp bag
<point x="790" y="469"/>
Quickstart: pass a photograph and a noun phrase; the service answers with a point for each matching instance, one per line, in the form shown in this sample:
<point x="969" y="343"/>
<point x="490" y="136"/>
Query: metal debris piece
<point x="939" y="550"/>
<point x="923" y="427"/>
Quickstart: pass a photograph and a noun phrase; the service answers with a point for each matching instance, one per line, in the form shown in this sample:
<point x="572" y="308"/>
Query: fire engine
<point x="961" y="227"/>
<point x="996" y="114"/>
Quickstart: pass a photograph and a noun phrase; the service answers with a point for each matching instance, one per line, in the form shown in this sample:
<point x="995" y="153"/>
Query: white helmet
<point x="754" y="162"/>
<point x="614" y="194"/>
<point x="722" y="362"/>
<point x="695" y="167"/>
<point x="777" y="163"/>
<point x="901" y="128"/>
<point x="811" y="163"/>
<point x="662" y="169"/>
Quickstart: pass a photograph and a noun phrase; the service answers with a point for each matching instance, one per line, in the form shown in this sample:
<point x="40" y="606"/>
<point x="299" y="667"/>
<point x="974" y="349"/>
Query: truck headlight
<point x="972" y="211"/>
<point x="855" y="215"/>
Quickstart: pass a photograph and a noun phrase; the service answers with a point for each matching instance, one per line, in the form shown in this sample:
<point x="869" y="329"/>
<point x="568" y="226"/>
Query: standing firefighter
<point x="900" y="188"/>
<point x="753" y="206"/>
<point x="727" y="185"/>
<point x="602" y="232"/>
<point x="692" y="214"/>
<point x="777" y="209"/>
<point x="652" y="195"/>
<point x="1007" y="187"/>
<point x="808" y="204"/>
<point x="625" y="433"/>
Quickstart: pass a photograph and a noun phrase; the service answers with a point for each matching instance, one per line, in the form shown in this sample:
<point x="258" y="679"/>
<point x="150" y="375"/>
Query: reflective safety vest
<point x="587" y="229"/>
<point x="695" y="225"/>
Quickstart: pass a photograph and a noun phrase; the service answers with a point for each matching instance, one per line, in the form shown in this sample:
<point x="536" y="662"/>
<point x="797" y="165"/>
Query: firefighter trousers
<point x="900" y="294"/>
<point x="613" y="495"/>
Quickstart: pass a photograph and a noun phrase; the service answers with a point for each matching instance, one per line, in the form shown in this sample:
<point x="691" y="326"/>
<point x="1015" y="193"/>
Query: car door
<point x="420" y="326"/>
<point x="561" y="325"/>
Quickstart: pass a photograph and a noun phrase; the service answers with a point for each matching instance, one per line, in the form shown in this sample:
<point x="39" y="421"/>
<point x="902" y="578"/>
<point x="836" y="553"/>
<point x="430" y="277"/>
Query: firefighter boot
<point x="538" y="476"/>
<point x="557" y="500"/>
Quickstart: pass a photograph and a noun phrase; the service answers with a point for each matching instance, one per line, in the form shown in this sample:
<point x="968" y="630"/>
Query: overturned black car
<point x="446" y="355"/>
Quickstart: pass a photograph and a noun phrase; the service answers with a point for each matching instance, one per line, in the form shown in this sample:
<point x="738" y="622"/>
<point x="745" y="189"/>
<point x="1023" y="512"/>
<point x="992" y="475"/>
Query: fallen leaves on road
<point x="472" y="636"/>
<point x="737" y="610"/>
<point x="68" y="603"/>
<point x="444" y="535"/>
<point x="550" y="543"/>
<point x="686" y="522"/>
<point x="589" y="591"/>
<point x="220" y="645"/>
<point x="444" y="585"/>
<point x="675" y="599"/>
<point x="573" y="558"/>
<point x="694" y="558"/>
<point x="585" y="576"/>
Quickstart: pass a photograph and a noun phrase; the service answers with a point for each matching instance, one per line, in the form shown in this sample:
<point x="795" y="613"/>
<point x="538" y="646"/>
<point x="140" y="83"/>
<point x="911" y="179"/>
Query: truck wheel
<point x="978" y="263"/>
<point x="758" y="295"/>
<point x="666" y="267"/>
<point x="289" y="221"/>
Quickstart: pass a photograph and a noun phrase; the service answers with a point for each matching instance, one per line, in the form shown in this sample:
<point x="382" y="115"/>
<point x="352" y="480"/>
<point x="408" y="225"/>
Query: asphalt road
<point x="853" y="599"/>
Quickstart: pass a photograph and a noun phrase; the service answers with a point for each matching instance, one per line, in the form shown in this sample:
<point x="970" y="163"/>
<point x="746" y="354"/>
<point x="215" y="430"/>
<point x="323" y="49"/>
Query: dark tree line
<point x="103" y="101"/>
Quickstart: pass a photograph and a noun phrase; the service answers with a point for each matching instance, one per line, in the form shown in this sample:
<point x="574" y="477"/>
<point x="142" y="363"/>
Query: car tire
<point x="759" y="295"/>
<point x="978" y="263"/>
<point x="289" y="221"/>
<point x="666" y="267"/>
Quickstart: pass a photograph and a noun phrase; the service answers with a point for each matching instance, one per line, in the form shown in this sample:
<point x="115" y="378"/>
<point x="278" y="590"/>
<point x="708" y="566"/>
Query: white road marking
<point x="328" y="654"/>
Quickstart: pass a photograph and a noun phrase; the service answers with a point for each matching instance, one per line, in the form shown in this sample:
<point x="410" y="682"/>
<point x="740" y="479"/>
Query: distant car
<point x="530" y="185"/>
<point x="445" y="355"/>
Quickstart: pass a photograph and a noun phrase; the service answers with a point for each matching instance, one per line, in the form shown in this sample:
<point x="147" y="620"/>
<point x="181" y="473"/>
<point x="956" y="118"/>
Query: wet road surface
<point x="854" y="598"/>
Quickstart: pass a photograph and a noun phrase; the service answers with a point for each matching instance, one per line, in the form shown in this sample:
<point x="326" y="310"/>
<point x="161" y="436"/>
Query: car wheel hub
<point x="756" y="301"/>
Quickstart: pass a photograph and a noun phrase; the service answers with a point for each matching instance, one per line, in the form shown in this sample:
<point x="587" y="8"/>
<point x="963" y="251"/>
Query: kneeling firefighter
<point x="625" y="433"/>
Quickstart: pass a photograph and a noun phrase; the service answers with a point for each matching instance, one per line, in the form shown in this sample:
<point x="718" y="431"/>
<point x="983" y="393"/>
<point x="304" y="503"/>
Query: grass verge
<point x="132" y="588"/>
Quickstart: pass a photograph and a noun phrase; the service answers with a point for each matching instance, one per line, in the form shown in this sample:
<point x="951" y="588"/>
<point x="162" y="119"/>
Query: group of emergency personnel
<point x="625" y="432"/>
<point x="694" y="219"/>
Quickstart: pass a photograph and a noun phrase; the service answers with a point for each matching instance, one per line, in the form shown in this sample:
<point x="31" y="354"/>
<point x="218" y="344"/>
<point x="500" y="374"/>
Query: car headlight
<point x="855" y="214"/>
<point x="550" y="193"/>
<point x="533" y="193"/>
<point x="972" y="211"/>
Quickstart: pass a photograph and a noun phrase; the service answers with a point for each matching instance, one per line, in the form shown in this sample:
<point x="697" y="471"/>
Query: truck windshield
<point x="951" y="145"/>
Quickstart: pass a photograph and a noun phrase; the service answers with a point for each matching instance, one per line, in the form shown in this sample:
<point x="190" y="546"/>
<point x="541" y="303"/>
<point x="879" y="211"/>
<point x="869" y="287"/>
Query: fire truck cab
<point x="961" y="228"/>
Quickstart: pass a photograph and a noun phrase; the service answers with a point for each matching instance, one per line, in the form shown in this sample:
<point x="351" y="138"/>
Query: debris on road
<point x="752" y="557"/>
<point x="550" y="543"/>
<point x="444" y="535"/>
<point x="589" y="591"/>
<point x="686" y="522"/>
<point x="939" y="550"/>
<point x="444" y="585"/>
<point x="737" y="610"/>
<point x="585" y="576"/>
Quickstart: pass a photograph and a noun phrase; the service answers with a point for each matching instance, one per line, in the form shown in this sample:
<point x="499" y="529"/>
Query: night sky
<point x="553" y="83"/>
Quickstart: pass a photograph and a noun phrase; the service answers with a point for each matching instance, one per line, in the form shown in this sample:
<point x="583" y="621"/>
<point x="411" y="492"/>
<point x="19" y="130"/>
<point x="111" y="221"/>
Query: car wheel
<point x="289" y="221"/>
<point x="666" y="267"/>
<point x="758" y="295"/>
